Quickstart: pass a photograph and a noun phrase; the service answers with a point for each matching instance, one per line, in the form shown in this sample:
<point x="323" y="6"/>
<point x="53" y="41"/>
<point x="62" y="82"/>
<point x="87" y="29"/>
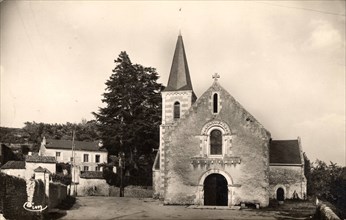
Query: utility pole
<point x="73" y="165"/>
<point x="121" y="167"/>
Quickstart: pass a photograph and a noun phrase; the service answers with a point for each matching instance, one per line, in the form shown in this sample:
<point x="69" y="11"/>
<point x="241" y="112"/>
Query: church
<point x="214" y="153"/>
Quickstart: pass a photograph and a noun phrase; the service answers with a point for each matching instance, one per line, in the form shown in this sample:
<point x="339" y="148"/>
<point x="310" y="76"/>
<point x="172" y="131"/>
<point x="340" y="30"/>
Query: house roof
<point x="40" y="159"/>
<point x="285" y="152"/>
<point x="14" y="165"/>
<point x="91" y="175"/>
<point x="41" y="170"/>
<point x="179" y="77"/>
<point x="79" y="145"/>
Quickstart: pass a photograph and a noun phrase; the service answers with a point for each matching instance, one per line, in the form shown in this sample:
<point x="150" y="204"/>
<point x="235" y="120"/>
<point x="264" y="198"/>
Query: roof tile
<point x="41" y="170"/>
<point x="14" y="165"/>
<point x="179" y="77"/>
<point x="91" y="175"/>
<point x="285" y="152"/>
<point x="40" y="159"/>
<point x="79" y="145"/>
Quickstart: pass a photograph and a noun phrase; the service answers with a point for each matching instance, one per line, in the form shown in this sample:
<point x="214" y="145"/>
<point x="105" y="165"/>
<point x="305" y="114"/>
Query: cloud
<point x="324" y="36"/>
<point x="324" y="137"/>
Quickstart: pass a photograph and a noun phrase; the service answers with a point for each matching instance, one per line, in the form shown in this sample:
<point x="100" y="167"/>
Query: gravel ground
<point x="132" y="208"/>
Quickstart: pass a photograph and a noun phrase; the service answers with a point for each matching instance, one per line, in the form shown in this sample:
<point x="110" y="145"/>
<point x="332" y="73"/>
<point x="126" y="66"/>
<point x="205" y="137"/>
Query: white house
<point x="87" y="155"/>
<point x="26" y="169"/>
<point x="34" y="161"/>
<point x="14" y="168"/>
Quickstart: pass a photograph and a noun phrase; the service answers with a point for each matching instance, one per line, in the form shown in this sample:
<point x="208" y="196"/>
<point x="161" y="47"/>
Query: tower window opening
<point x="215" y="103"/>
<point x="176" y="110"/>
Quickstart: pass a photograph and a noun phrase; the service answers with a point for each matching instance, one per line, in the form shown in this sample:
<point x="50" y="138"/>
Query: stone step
<point x="213" y="207"/>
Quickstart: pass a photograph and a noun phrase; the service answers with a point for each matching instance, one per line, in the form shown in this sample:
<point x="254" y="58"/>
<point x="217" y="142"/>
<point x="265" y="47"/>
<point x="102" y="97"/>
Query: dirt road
<point x="130" y="208"/>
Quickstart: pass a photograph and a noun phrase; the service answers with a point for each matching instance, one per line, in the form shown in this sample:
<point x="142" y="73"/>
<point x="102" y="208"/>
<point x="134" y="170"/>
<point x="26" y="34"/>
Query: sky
<point x="283" y="61"/>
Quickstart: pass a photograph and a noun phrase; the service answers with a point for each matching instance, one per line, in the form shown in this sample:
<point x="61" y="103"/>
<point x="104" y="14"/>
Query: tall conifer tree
<point x="130" y="121"/>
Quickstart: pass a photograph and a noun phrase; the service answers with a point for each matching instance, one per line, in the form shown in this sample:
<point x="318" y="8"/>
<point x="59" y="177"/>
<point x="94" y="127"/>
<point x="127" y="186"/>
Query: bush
<point x="61" y="178"/>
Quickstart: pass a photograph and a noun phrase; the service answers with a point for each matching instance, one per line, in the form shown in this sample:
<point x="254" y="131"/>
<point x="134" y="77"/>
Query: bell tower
<point x="178" y="95"/>
<point x="177" y="98"/>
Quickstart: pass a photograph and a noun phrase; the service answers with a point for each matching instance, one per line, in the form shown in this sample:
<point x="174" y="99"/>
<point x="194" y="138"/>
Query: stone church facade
<point x="213" y="152"/>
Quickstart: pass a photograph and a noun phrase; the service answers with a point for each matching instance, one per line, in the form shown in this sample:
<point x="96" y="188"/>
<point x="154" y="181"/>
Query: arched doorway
<point x="215" y="190"/>
<point x="280" y="194"/>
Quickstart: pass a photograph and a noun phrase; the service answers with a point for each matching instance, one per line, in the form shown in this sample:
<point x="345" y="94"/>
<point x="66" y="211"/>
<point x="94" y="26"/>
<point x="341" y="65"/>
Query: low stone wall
<point x="57" y="193"/>
<point x="323" y="212"/>
<point x="15" y="192"/>
<point x="92" y="187"/>
<point x="13" y="195"/>
<point x="156" y="183"/>
<point x="2" y="190"/>
<point x="132" y="191"/>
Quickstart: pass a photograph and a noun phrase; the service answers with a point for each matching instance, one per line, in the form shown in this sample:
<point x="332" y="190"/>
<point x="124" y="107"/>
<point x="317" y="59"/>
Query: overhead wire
<point x="306" y="9"/>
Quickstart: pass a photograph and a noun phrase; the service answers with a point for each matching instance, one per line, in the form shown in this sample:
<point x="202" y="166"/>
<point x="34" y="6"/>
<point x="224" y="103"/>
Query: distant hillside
<point x="13" y="135"/>
<point x="84" y="131"/>
<point x="32" y="133"/>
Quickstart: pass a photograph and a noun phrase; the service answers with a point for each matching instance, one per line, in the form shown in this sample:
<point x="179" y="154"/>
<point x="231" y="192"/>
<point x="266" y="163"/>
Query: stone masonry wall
<point x="15" y="172"/>
<point x="169" y="98"/>
<point x="30" y="167"/>
<point x="92" y="187"/>
<point x="156" y="183"/>
<point x="15" y="192"/>
<point x="13" y="195"/>
<point x="290" y="178"/>
<point x="248" y="144"/>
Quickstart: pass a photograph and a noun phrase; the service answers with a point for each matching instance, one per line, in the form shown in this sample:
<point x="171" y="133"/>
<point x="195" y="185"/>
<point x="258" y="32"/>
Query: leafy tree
<point x="320" y="180"/>
<point x="85" y="131"/>
<point x="327" y="182"/>
<point x="13" y="135"/>
<point x="130" y="121"/>
<point x="307" y="172"/>
<point x="60" y="177"/>
<point x="35" y="131"/>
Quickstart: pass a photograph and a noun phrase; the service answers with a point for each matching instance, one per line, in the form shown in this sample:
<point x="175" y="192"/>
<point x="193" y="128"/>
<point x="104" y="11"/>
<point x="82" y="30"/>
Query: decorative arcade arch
<point x="215" y="139"/>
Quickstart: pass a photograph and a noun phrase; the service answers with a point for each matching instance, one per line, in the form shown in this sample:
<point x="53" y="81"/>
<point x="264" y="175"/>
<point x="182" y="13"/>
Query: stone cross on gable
<point x="216" y="76"/>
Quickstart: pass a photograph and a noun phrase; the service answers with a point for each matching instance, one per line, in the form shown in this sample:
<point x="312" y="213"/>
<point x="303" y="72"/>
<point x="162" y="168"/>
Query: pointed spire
<point x="179" y="77"/>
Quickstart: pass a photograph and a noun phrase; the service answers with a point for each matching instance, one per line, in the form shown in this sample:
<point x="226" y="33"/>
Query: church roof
<point x="285" y="152"/>
<point x="179" y="77"/>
